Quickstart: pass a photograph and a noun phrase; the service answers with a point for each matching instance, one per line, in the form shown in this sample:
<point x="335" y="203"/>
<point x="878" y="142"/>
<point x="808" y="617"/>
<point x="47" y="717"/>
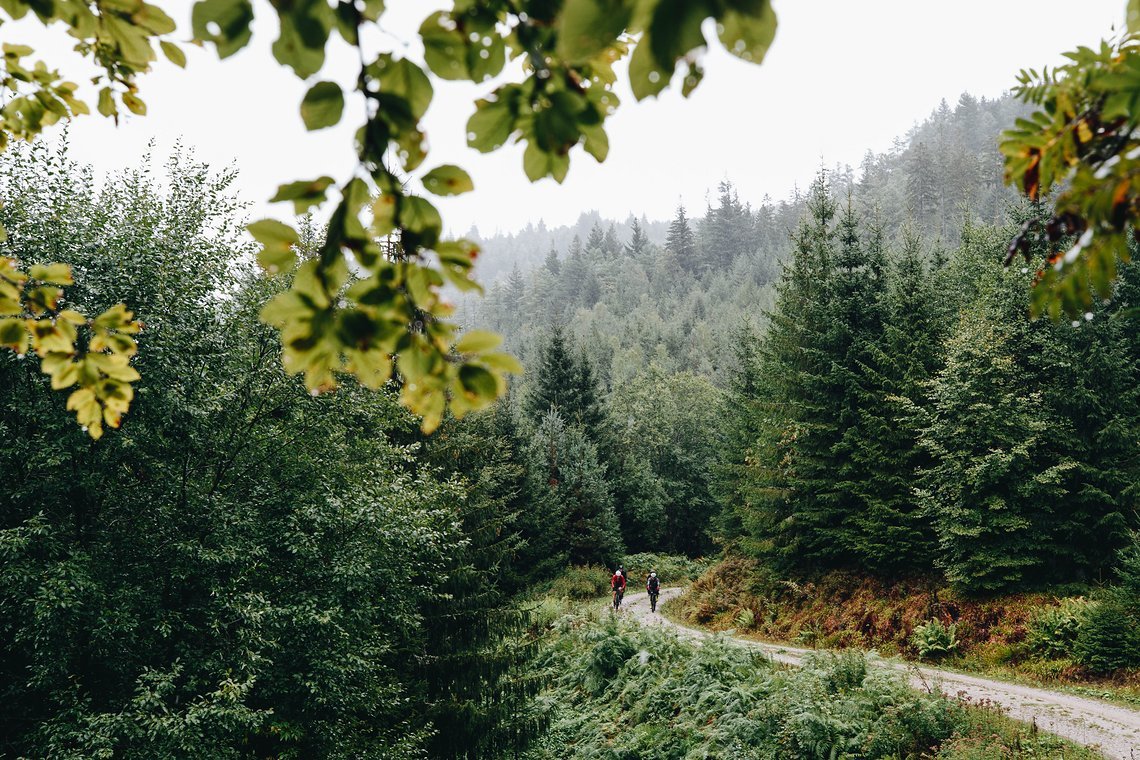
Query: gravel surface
<point x="1108" y="728"/>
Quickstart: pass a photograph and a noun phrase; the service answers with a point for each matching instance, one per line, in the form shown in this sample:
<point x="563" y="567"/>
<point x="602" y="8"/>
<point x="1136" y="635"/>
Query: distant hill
<point x="693" y="281"/>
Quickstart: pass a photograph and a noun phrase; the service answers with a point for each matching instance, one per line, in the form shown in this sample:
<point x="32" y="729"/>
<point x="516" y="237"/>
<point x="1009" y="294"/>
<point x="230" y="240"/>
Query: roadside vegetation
<point x="1083" y="640"/>
<point x="619" y="690"/>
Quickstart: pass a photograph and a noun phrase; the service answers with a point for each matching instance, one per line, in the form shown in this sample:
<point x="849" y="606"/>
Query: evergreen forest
<point x="839" y="388"/>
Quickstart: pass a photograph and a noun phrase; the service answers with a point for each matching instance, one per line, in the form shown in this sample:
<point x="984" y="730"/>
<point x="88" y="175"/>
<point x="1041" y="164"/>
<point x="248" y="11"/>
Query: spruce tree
<point x="794" y="514"/>
<point x="610" y="244"/>
<point x="596" y="242"/>
<point x="552" y="264"/>
<point x="477" y="680"/>
<point x="893" y="536"/>
<point x="681" y="243"/>
<point x="993" y="488"/>
<point x="638" y="241"/>
<point x="555" y="379"/>
<point x="571" y="516"/>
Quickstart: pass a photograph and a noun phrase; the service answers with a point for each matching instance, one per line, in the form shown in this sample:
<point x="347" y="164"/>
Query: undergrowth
<point x="1037" y="638"/>
<point x="619" y="691"/>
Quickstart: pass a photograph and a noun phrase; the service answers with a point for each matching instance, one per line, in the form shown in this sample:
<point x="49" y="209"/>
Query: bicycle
<point x="618" y="594"/>
<point x="653" y="600"/>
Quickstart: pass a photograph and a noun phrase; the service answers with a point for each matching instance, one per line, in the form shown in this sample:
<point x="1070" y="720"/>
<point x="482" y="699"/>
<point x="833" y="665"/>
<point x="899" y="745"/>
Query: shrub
<point x="745" y="618"/>
<point x="672" y="569"/>
<point x="1053" y="630"/>
<point x="1109" y="638"/>
<point x="933" y="640"/>
<point x="581" y="582"/>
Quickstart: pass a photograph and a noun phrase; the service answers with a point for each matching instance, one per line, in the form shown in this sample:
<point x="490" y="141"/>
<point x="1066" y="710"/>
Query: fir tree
<point x="555" y="378"/>
<point x="610" y="244"/>
<point x="681" y="243"/>
<point x="638" y="241"/>
<point x="475" y="671"/>
<point x="572" y="517"/>
<point x="552" y="264"/>
<point x="596" y="242"/>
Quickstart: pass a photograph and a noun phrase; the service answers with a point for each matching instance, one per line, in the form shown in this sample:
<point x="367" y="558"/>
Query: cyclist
<point x="653" y="586"/>
<point x="617" y="583"/>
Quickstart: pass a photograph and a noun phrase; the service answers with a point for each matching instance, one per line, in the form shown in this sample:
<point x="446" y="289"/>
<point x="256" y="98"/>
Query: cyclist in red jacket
<point x="617" y="583"/>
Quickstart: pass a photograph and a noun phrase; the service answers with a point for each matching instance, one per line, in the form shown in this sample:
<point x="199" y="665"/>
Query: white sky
<point x="842" y="77"/>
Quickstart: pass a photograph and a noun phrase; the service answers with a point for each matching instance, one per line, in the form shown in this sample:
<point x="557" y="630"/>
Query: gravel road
<point x="1111" y="729"/>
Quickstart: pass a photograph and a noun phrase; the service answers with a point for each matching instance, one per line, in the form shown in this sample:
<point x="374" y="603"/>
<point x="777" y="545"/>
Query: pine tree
<point x="893" y="536"/>
<point x="681" y="243"/>
<point x="638" y="241"/>
<point x="476" y="678"/>
<point x="572" y="517"/>
<point x="584" y="406"/>
<point x="610" y="244"/>
<point x="554" y="380"/>
<point x="552" y="264"/>
<point x="596" y="242"/>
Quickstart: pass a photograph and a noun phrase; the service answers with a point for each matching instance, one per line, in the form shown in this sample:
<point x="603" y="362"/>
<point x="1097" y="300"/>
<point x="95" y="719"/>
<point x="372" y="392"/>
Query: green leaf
<point x="646" y="77"/>
<point x="54" y="274"/>
<point x="448" y="180"/>
<point x="322" y="106"/>
<point x="304" y="195"/>
<point x="588" y="27"/>
<point x="277" y="240"/>
<point x="748" y="36"/>
<point x="301" y="44"/>
<point x="479" y="384"/>
<point x="491" y="125"/>
<point x="502" y="362"/>
<point x="173" y="53"/>
<point x="536" y="162"/>
<point x="1132" y="16"/>
<point x="477" y="341"/>
<point x="596" y="143"/>
<point x="418" y="214"/>
<point x="226" y="23"/>
<point x="675" y="30"/>
<point x="134" y="104"/>
<point x="402" y="78"/>
<point x="14" y="335"/>
<point x="107" y="105"/>
<point x="445" y="51"/>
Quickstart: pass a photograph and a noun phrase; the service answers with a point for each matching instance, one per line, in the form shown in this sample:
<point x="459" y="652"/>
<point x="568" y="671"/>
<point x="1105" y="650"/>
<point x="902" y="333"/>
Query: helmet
<point x="653" y="575"/>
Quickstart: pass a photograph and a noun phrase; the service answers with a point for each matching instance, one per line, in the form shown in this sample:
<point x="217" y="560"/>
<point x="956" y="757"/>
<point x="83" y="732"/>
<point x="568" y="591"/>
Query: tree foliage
<point x="331" y="323"/>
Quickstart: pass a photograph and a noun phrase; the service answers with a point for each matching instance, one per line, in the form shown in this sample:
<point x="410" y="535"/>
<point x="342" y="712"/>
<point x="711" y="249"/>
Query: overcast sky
<point x="841" y="77"/>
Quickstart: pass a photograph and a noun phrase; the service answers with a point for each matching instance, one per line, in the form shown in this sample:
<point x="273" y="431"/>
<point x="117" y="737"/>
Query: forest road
<point x="1112" y="730"/>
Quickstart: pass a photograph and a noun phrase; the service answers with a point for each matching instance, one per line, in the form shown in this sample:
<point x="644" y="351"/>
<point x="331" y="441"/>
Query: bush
<point x="581" y="582"/>
<point x="933" y="640"/>
<point x="745" y="618"/>
<point x="1109" y="638"/>
<point x="1053" y="630"/>
<point x="672" y="569"/>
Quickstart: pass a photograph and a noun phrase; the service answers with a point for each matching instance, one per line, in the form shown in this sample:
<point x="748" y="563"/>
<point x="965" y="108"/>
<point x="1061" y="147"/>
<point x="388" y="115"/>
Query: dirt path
<point x="1113" y="730"/>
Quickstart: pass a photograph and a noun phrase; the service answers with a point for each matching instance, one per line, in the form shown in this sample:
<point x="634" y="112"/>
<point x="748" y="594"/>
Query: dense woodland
<point x="846" y="379"/>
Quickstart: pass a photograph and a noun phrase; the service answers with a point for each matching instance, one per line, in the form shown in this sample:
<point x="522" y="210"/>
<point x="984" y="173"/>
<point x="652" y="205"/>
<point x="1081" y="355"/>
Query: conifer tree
<point x="596" y="242"/>
<point x="795" y="516"/>
<point x="993" y="488"/>
<point x="893" y="536"/>
<point x="555" y="378"/>
<point x="681" y="242"/>
<point x="571" y="516"/>
<point x="475" y="670"/>
<point x="552" y="264"/>
<point x="610" y="244"/>
<point x="638" y="241"/>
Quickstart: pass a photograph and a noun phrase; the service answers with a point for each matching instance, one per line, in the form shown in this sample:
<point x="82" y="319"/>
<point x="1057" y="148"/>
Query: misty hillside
<point x="674" y="293"/>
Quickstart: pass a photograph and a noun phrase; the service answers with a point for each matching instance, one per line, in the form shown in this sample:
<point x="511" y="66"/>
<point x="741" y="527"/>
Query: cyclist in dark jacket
<point x="653" y="586"/>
